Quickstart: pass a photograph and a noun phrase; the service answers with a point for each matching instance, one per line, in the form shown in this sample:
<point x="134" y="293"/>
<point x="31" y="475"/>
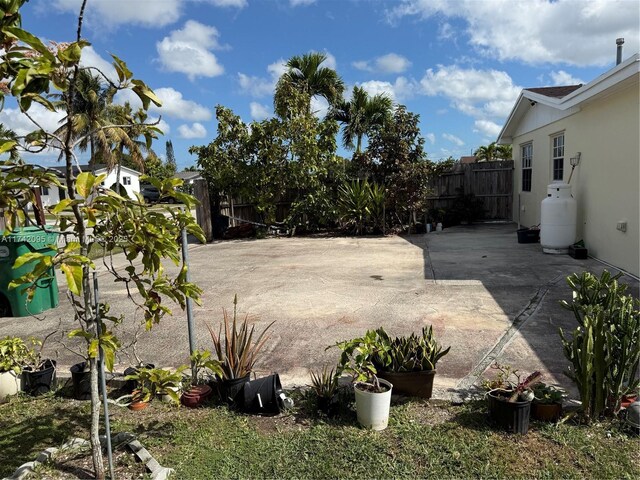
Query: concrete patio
<point x="487" y="296"/>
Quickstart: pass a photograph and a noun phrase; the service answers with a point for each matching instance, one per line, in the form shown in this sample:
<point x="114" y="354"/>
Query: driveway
<point x="487" y="296"/>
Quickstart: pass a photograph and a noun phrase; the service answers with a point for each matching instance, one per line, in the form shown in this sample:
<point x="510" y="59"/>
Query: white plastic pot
<point x="10" y="384"/>
<point x="373" y="408"/>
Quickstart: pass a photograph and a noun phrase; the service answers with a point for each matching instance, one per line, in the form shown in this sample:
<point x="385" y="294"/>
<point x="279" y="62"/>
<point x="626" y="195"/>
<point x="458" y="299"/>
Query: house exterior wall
<point x="605" y="183"/>
<point x="134" y="176"/>
<point x="52" y="197"/>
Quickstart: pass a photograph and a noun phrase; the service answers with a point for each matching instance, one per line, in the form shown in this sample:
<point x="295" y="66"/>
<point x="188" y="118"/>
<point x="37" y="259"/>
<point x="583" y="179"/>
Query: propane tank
<point x="558" y="219"/>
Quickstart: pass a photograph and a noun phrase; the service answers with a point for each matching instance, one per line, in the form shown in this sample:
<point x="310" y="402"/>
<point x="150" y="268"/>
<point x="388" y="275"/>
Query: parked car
<point x="151" y="194"/>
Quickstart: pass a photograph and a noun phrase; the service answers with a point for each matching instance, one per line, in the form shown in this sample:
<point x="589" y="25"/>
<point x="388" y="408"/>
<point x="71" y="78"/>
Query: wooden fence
<point x="492" y="182"/>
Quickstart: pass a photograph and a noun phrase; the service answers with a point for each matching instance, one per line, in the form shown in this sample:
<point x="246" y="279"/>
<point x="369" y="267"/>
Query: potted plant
<point x="509" y="398"/>
<point x="14" y="353"/>
<point x="143" y="393"/>
<point x="204" y="370"/>
<point x="237" y="352"/>
<point x="39" y="374"/>
<point x="324" y="384"/>
<point x="547" y="402"/>
<point x="409" y="363"/>
<point x="373" y="395"/>
<point x="166" y="384"/>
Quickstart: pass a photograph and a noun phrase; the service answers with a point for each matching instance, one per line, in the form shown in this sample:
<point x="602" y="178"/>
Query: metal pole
<point x="103" y="381"/>
<point x="190" y="327"/>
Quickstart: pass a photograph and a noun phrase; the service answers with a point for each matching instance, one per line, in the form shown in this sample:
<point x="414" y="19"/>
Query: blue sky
<point x="459" y="64"/>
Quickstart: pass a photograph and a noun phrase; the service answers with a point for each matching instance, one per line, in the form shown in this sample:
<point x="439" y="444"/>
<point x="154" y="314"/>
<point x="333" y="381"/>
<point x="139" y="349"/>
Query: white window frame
<point x="526" y="156"/>
<point x="557" y="155"/>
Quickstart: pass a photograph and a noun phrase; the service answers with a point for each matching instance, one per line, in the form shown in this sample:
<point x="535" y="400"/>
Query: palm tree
<point x="305" y="75"/>
<point x="486" y="153"/>
<point x="504" y="152"/>
<point x="8" y="135"/>
<point x="360" y="115"/>
<point x="89" y="107"/>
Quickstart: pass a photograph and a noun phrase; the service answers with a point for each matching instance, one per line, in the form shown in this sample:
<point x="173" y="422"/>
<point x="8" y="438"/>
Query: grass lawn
<point x="423" y="440"/>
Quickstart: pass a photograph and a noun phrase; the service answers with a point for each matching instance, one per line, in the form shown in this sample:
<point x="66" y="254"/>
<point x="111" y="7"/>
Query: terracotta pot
<point x="135" y="406"/>
<point x="195" y="396"/>
<point x="546" y="412"/>
<point x="627" y="400"/>
<point x="412" y="384"/>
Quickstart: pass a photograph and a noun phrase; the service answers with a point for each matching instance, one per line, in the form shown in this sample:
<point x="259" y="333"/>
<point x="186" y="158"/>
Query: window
<point x="527" y="156"/>
<point x="44" y="190"/>
<point x="126" y="180"/>
<point x="557" y="157"/>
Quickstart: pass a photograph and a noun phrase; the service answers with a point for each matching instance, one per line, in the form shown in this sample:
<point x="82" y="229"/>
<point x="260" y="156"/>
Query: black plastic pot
<point x="510" y="416"/>
<point x="231" y="391"/>
<point x="527" y="235"/>
<point x="41" y="381"/>
<point x="262" y="395"/>
<point x="131" y="385"/>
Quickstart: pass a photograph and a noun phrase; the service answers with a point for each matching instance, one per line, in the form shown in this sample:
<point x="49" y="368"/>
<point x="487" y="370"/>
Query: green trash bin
<point x="14" y="302"/>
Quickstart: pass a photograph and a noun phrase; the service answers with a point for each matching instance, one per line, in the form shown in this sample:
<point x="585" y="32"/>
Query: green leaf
<point x="85" y="183"/>
<point x="145" y="94"/>
<point x="6" y="145"/>
<point x="73" y="274"/>
<point x="27" y="258"/>
<point x="122" y="70"/>
<point x="31" y="40"/>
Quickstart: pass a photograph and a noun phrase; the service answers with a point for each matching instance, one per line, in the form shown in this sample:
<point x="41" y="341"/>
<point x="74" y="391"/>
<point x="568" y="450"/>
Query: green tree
<point x="306" y="75"/>
<point x="396" y="158"/>
<point x="360" y="115"/>
<point x="30" y="70"/>
<point x="504" y="152"/>
<point x="170" y="163"/>
<point x="224" y="160"/>
<point x="486" y="153"/>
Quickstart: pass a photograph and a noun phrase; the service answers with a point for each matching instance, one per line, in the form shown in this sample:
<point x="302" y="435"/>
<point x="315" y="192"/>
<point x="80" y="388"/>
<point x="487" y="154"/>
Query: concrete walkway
<point x="486" y="295"/>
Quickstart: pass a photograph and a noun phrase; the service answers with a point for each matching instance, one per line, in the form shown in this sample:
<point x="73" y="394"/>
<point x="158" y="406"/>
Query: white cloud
<point x="195" y="130"/>
<point x="445" y="31"/>
<point x="398" y="91"/>
<point x="162" y="125"/>
<point x="228" y="3"/>
<point x="90" y="58"/>
<point x="297" y="3"/>
<point x="453" y="139"/>
<point x="18" y="122"/>
<point x="258" y="111"/>
<point x="330" y="61"/>
<point x="389" y="63"/>
<point x="477" y="93"/>
<point x="431" y="137"/>
<point x="146" y="13"/>
<point x="487" y="127"/>
<point x="563" y="78"/>
<point x="319" y="107"/>
<point x="572" y="32"/>
<point x="261" y="86"/>
<point x="188" y="51"/>
<point x="173" y="104"/>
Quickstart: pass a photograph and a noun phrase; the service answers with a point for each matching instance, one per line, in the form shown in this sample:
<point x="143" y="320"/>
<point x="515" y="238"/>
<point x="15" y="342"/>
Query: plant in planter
<point x="157" y="382"/>
<point x="547" y="404"/>
<point x="604" y="350"/>
<point x="324" y="384"/>
<point x="509" y="398"/>
<point x="373" y="395"/>
<point x="39" y="374"/>
<point x="14" y="354"/>
<point x="237" y="352"/>
<point x="409" y="363"/>
<point x="205" y="369"/>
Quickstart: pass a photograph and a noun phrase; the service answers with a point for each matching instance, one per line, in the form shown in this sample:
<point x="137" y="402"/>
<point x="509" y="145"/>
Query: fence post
<point x="203" y="210"/>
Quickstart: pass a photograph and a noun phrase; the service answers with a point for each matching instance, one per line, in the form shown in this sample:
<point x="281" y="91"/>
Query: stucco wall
<point x="606" y="184"/>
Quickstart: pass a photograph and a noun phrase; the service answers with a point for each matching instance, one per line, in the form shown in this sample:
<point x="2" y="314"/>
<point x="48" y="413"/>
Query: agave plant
<point x="234" y="345"/>
<point x="409" y="354"/>
<point x="324" y="382"/>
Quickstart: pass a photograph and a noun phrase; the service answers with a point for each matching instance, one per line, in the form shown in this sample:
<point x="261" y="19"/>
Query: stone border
<point x="158" y="472"/>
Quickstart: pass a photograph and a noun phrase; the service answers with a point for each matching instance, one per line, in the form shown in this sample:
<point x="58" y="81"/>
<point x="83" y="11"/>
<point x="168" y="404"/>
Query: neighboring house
<point x="596" y="125"/>
<point x="188" y="177"/>
<point x="129" y="179"/>
<point x="468" y="159"/>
